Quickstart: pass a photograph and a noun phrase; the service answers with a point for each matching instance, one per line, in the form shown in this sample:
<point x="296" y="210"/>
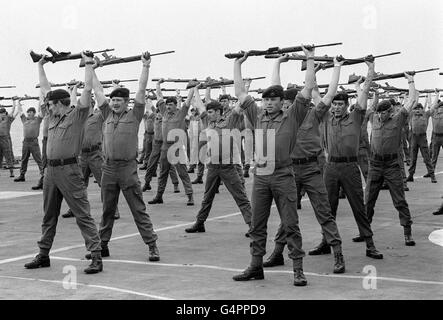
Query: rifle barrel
<point x="112" y="61"/>
<point x="7" y="87"/>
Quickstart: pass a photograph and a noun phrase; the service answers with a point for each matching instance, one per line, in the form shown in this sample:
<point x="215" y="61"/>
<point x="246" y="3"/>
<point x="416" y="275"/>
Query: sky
<point x="201" y="32"/>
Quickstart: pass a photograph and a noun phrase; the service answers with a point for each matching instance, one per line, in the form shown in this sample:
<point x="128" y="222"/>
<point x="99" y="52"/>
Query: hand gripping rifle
<point x="347" y="62"/>
<point x="109" y="60"/>
<point x="354" y="78"/>
<point x="60" y="56"/>
<point x="277" y="50"/>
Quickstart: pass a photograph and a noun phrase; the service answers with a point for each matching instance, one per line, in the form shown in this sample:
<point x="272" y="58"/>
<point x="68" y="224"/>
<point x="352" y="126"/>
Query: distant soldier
<point x="6" y="120"/>
<point x="437" y="128"/>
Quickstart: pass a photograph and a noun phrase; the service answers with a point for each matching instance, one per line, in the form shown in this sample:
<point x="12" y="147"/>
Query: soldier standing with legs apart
<point x="64" y="179"/>
<point x="274" y="179"/>
<point x="384" y="166"/>
<point x="5" y="145"/>
<point x="120" y="137"/>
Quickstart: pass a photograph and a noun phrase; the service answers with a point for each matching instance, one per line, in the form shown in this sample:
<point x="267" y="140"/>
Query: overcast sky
<point x="201" y="32"/>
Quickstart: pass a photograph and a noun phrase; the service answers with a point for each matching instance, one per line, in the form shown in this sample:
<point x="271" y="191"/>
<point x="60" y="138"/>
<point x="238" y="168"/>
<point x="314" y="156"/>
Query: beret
<point x="120" y="93"/>
<point x="384" y="105"/>
<point x="273" y="92"/>
<point x="32" y="109"/>
<point x="2" y="110"/>
<point x="290" y="94"/>
<point x="171" y="99"/>
<point x="418" y="106"/>
<point x="224" y="96"/>
<point x="58" y="94"/>
<point x="342" y="96"/>
<point x="214" y="105"/>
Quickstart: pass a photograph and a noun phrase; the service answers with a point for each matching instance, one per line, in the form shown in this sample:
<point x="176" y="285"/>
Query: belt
<point x="342" y="159"/>
<point x="438" y="134"/>
<point x="304" y="160"/>
<point x="29" y="139"/>
<point x="91" y="149"/>
<point x="419" y="134"/>
<point x="150" y="133"/>
<point x="385" y="157"/>
<point x="61" y="162"/>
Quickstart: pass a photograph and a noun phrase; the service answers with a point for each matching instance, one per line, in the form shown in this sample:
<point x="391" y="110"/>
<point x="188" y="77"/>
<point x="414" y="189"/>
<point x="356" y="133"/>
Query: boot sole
<point x="260" y="277"/>
<point x="40" y="266"/>
<point x="375" y="257"/>
<point x="93" y="271"/>
<point x="340" y="271"/>
<point x="300" y="284"/>
<point x="154" y="259"/>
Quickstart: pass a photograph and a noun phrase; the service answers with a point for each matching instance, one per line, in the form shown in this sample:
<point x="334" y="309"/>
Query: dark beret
<point x="342" y="96"/>
<point x="171" y="99"/>
<point x="418" y="106"/>
<point x="273" y="92"/>
<point x="2" y="110"/>
<point x="120" y="93"/>
<point x="290" y="94"/>
<point x="32" y="109"/>
<point x="384" y="105"/>
<point x="224" y="96"/>
<point x="214" y="105"/>
<point x="58" y="94"/>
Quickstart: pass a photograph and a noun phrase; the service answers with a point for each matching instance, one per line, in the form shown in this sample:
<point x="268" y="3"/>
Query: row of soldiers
<point x="305" y="129"/>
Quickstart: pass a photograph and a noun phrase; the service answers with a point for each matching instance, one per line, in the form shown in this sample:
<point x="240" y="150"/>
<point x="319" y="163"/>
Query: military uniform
<point x="223" y="168"/>
<point x="437" y="133"/>
<point x="64" y="179"/>
<point x="419" y="126"/>
<point x="309" y="175"/>
<point x="120" y="137"/>
<point x="342" y="170"/>
<point x="195" y="128"/>
<point x="5" y="146"/>
<point x="31" y="131"/>
<point x="148" y="137"/>
<point x="384" y="165"/>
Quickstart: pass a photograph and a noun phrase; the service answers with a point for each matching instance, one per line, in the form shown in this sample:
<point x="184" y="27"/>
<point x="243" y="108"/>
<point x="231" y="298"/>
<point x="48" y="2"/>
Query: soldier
<point x="154" y="157"/>
<point x="31" y="131"/>
<point x="173" y="118"/>
<point x="63" y="178"/>
<point x="274" y="177"/>
<point x="120" y="136"/>
<point x="222" y="162"/>
<point x="45" y="114"/>
<point x="308" y="175"/>
<point x="148" y="121"/>
<point x="437" y="128"/>
<point x="6" y="120"/>
<point x="195" y="128"/>
<point x="91" y="156"/>
<point x="419" y="125"/>
<point x="384" y="166"/>
<point x="342" y="132"/>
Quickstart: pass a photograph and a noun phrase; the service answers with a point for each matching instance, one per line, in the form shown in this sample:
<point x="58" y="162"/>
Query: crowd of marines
<point x="319" y="144"/>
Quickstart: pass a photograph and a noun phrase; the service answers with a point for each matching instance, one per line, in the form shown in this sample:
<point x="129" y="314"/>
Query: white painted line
<point x="266" y="271"/>
<point x="93" y="286"/>
<point x="437" y="237"/>
<point x="4" y="195"/>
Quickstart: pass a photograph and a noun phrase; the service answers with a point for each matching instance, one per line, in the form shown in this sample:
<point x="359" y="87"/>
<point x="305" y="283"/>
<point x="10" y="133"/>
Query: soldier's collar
<point x="273" y="116"/>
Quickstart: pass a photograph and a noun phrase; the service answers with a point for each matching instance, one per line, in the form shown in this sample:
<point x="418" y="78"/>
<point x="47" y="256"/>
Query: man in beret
<point x="419" y="119"/>
<point x="221" y="162"/>
<point x="384" y="166"/>
<point x="437" y="128"/>
<point x="342" y="137"/>
<point x="5" y="145"/>
<point x="64" y="179"/>
<point x="119" y="173"/>
<point x="274" y="179"/>
<point x="308" y="175"/>
<point x="31" y="131"/>
<point x="173" y="119"/>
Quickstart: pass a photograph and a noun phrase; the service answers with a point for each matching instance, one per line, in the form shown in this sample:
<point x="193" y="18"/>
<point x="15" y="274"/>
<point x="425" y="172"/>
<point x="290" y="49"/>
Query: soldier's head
<point x="224" y="101"/>
<point x="119" y="100"/>
<point x="3" y="111"/>
<point x="58" y="101"/>
<point x="273" y="99"/>
<point x="289" y="98"/>
<point x="440" y="105"/>
<point x="384" y="110"/>
<point x="31" y="112"/>
<point x="214" y="110"/>
<point x="171" y="104"/>
<point x="340" y="104"/>
<point x="194" y="112"/>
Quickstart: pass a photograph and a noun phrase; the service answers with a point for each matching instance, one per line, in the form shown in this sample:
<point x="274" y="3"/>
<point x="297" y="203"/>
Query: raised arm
<point x="143" y="82"/>
<point x="332" y="89"/>
<point x="436" y="99"/>
<point x="158" y="89"/>
<point x="85" y="98"/>
<point x="198" y="103"/>
<point x="73" y="90"/>
<point x="412" y="92"/>
<point x="45" y="87"/>
<point x="362" y="98"/>
<point x="275" y="79"/>
<point x="310" y="73"/>
<point x="239" y="85"/>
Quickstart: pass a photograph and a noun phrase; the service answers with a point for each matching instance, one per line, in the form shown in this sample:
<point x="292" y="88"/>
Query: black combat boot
<point x="146" y="187"/>
<point x="198" y="180"/>
<point x="190" y="200"/>
<point x="197" y="227"/>
<point x="96" y="265"/>
<point x="40" y="261"/>
<point x="39" y="185"/>
<point x="322" y="248"/>
<point x="339" y="263"/>
<point x="68" y="214"/>
<point x="408" y="236"/>
<point x="251" y="273"/>
<point x="104" y="253"/>
<point x="275" y="259"/>
<point x="410" y="178"/>
<point x="157" y="200"/>
<point x="20" y="178"/>
<point x="154" y="254"/>
<point x="176" y="188"/>
<point x="299" y="276"/>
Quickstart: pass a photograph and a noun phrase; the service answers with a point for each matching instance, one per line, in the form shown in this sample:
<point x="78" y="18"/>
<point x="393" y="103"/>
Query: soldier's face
<point x="56" y="109"/>
<point x="31" y="114"/>
<point x="119" y="105"/>
<point x="213" y="115"/>
<point x="171" y="107"/>
<point x="338" y="108"/>
<point x="272" y="105"/>
<point x="384" y="115"/>
<point x="286" y="104"/>
<point x="225" y="103"/>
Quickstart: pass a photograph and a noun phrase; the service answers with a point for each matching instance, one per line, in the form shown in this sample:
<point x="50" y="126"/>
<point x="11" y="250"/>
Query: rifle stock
<point x="60" y="56"/>
<point x="115" y="60"/>
<point x="353" y="78"/>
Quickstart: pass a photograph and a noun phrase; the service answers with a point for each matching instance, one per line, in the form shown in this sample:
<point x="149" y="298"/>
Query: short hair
<point x="171" y="100"/>
<point x="384" y="105"/>
<point x="215" y="105"/>
<point x="419" y="106"/>
<point x="32" y="109"/>
<point x="224" y="97"/>
<point x="290" y="94"/>
<point x="342" y="96"/>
